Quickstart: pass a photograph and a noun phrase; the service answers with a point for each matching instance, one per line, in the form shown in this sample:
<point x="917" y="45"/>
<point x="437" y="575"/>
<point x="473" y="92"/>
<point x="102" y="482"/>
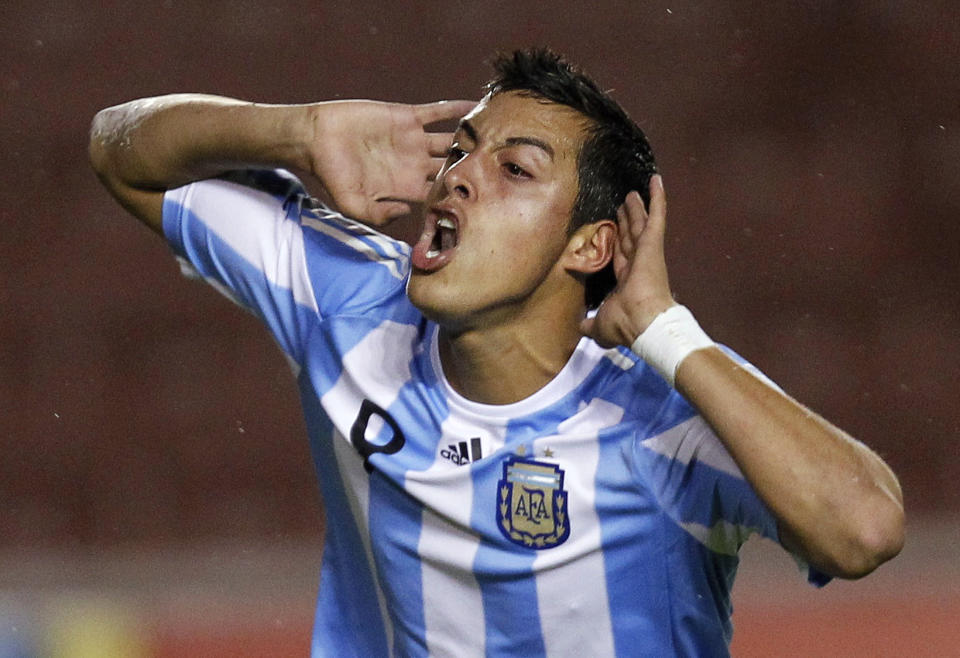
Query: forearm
<point x="837" y="503"/>
<point x="164" y="142"/>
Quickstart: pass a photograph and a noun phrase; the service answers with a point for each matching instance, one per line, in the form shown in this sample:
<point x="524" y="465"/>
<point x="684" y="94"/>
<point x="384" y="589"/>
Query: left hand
<point x="642" y="291"/>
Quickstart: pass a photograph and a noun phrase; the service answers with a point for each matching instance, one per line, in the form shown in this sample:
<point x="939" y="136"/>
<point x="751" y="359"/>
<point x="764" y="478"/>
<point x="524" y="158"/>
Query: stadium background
<point x="156" y="492"/>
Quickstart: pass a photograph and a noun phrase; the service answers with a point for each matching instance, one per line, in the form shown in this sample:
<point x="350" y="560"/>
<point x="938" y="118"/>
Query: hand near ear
<point x="643" y="290"/>
<point x="376" y="160"/>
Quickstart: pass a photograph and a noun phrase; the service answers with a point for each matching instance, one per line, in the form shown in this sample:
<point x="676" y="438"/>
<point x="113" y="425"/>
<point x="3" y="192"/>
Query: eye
<point x="455" y="153"/>
<point x="516" y="170"/>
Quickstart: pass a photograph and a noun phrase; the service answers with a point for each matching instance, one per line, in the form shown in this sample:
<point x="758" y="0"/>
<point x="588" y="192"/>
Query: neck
<point x="511" y="361"/>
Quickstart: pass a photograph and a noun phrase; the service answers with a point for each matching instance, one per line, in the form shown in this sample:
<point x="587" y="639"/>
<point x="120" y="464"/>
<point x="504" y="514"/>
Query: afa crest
<point x="531" y="504"/>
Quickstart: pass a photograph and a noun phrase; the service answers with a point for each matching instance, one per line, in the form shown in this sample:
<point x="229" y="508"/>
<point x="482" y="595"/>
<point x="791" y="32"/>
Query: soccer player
<point x="504" y="471"/>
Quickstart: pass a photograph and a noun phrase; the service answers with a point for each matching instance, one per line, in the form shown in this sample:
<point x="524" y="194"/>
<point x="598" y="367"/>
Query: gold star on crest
<point x="547" y="452"/>
<point x="522" y="450"/>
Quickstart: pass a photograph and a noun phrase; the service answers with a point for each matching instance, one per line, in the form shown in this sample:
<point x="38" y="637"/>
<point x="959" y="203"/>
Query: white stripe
<point x="235" y="214"/>
<point x="619" y="359"/>
<point x="452" y="600"/>
<point x="381" y="363"/>
<point x="388" y="244"/>
<point x="355" y="243"/>
<point x="574" y="598"/>
<point x="694" y="440"/>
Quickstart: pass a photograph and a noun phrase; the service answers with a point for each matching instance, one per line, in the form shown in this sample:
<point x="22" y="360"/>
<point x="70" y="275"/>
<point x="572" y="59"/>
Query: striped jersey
<point x="600" y="516"/>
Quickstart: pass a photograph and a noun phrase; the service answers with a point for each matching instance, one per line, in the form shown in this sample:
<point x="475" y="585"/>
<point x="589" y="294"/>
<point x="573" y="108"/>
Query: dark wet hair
<point x="615" y="156"/>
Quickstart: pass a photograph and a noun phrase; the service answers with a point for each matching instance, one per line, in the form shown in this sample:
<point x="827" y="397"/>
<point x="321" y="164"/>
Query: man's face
<point x="497" y="216"/>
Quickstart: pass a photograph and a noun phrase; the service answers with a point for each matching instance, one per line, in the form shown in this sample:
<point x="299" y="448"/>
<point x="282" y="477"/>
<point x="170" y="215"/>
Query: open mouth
<point x="444" y="237"/>
<point x="438" y="242"/>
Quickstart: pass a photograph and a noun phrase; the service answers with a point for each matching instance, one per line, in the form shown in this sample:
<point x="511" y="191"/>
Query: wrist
<point x="672" y="336"/>
<point x="328" y="127"/>
<point x="282" y="135"/>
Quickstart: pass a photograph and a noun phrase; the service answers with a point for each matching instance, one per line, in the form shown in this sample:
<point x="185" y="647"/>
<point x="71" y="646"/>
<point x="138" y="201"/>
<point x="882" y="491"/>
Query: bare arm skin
<point x="375" y="160"/>
<point x="838" y="505"/>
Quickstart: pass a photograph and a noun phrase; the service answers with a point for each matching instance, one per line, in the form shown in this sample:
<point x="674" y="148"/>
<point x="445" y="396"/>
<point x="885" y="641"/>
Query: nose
<point x="458" y="179"/>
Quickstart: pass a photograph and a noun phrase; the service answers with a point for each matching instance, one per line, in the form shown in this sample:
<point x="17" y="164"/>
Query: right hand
<point x="376" y="160"/>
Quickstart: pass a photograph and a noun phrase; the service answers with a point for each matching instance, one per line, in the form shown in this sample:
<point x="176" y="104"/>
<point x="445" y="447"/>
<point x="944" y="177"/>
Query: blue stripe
<point x="700" y="607"/>
<point x="342" y="278"/>
<point x="632" y="533"/>
<point x="698" y="493"/>
<point x="647" y="399"/>
<point x="395" y="522"/>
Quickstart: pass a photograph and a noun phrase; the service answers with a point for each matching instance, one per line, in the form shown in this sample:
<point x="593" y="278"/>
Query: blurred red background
<point x="811" y="154"/>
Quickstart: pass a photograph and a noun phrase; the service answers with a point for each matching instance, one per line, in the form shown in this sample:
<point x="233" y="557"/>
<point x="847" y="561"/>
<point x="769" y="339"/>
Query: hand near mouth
<point x="376" y="160"/>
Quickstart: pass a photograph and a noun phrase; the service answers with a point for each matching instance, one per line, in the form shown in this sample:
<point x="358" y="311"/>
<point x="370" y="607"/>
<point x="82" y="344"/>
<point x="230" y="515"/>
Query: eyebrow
<point x="468" y="128"/>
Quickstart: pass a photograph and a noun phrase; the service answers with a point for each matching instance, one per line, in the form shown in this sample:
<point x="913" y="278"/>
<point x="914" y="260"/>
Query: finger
<point x="621" y="248"/>
<point x="442" y="110"/>
<point x="621" y="261"/>
<point x="438" y="144"/>
<point x="658" y="196"/>
<point x="626" y="235"/>
<point x="586" y="326"/>
<point x="592" y="329"/>
<point x="656" y="220"/>
<point x="388" y="209"/>
<point x="436" y="164"/>
<point x="637" y="214"/>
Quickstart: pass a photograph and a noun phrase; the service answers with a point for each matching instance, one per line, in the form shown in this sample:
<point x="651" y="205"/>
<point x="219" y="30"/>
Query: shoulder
<point x="623" y="378"/>
<point x="324" y="224"/>
<point x="278" y="183"/>
<point x="247" y="202"/>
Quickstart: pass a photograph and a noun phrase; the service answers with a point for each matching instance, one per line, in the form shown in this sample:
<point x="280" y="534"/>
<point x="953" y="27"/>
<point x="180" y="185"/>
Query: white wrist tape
<point x="669" y="339"/>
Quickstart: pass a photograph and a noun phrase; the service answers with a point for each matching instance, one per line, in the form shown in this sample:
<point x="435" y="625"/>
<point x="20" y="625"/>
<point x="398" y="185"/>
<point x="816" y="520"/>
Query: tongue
<point x="425" y="255"/>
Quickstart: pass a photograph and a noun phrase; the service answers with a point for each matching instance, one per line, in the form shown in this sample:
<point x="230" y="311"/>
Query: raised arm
<point x="838" y="505"/>
<point x="375" y="160"/>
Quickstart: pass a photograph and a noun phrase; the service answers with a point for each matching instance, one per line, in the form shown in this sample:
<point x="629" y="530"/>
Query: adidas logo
<point x="460" y="455"/>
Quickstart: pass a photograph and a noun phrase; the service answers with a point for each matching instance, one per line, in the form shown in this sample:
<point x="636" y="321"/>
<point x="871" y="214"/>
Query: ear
<point x="591" y="247"/>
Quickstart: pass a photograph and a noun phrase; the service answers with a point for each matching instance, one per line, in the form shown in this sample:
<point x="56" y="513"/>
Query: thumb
<point x="387" y="209"/>
<point x="586" y="326"/>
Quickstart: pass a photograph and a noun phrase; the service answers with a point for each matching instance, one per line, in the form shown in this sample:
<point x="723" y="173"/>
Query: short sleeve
<point x="700" y="486"/>
<point x="261" y="240"/>
<point x="242" y="234"/>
